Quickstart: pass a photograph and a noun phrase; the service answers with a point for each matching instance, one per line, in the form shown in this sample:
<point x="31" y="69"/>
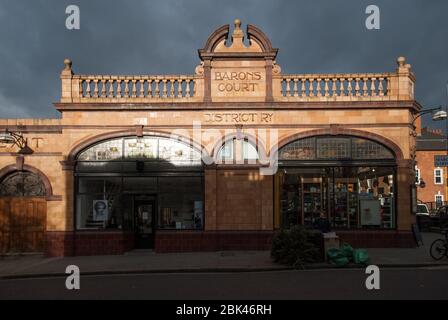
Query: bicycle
<point x="439" y="247"/>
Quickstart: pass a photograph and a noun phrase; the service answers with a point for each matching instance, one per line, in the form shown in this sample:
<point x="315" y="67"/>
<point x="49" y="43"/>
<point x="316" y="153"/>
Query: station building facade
<point x="217" y="160"/>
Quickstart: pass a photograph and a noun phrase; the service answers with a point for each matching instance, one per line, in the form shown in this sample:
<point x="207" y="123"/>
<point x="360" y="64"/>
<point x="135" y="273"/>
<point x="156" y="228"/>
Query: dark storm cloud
<point x="146" y="37"/>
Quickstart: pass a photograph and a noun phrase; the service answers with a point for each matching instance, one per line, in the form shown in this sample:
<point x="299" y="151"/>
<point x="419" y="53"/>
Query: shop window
<point x="116" y="178"/>
<point x="349" y="197"/>
<point x="237" y="150"/>
<point x="180" y="203"/>
<point x="438" y="176"/>
<point x="22" y="184"/>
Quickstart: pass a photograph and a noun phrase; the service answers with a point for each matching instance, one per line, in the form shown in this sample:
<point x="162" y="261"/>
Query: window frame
<point x="438" y="176"/>
<point x="418" y="177"/>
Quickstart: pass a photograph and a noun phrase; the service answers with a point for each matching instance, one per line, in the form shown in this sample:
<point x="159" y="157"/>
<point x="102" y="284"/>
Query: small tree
<point x="295" y="247"/>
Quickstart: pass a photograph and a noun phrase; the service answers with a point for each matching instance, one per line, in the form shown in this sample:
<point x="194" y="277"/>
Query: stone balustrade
<point x="397" y="85"/>
<point x="391" y="86"/>
<point x="136" y="87"/>
<point x="307" y="86"/>
<point x="129" y="89"/>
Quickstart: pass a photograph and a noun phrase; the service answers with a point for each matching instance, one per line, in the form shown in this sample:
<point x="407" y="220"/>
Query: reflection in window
<point x="107" y="202"/>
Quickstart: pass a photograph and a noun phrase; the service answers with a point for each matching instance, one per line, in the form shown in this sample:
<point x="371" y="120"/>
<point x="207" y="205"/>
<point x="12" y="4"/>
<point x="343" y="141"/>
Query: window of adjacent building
<point x="439" y="199"/>
<point x="417" y="175"/>
<point x="438" y="176"/>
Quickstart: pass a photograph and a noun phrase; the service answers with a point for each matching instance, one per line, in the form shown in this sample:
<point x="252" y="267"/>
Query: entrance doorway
<point x="144" y="212"/>
<point x="22" y="224"/>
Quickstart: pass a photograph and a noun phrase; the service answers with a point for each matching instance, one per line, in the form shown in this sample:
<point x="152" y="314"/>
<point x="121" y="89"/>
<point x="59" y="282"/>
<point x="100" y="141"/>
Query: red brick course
<point x="109" y="243"/>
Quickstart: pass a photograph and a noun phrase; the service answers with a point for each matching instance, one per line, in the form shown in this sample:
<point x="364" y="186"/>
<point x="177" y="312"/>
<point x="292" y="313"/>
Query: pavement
<point x="145" y="261"/>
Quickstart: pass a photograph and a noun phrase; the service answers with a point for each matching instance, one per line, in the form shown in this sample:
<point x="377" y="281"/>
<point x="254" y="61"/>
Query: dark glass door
<point x="145" y="222"/>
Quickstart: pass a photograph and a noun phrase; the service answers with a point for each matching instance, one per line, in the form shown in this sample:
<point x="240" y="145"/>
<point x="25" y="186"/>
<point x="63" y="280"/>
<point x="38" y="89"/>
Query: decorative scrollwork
<point x="22" y="184"/>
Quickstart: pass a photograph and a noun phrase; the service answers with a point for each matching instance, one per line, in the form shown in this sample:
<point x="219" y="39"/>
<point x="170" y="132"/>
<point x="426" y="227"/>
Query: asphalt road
<point x="422" y="283"/>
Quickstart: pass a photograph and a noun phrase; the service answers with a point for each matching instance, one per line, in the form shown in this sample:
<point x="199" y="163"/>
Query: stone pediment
<point x="218" y="44"/>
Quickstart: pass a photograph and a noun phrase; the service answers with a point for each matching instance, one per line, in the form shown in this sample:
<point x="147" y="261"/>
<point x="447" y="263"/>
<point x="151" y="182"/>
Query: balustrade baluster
<point x="118" y="93"/>
<point x="288" y="87"/>
<point x="303" y="88"/>
<point x="365" y="91"/>
<point x="296" y="87"/>
<point x="157" y="87"/>
<point x="311" y="87"/>
<point x="326" y="88"/>
<point x="87" y="88"/>
<point x="141" y="93"/>
<point x="164" y="89"/>
<point x="334" y="87"/>
<point x="187" y="88"/>
<point x="179" y="88"/>
<point x="133" y="88"/>
<point x="357" y="88"/>
<point x="372" y="87"/>
<point x="103" y="88"/>
<point x="341" y="87"/>
<point x="380" y="86"/>
<point x="349" y="86"/>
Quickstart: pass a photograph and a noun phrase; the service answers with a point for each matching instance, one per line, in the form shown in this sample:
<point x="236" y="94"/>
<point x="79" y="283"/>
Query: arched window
<point x="334" y="148"/>
<point x="22" y="184"/>
<point x="144" y="148"/>
<point x="237" y="150"/>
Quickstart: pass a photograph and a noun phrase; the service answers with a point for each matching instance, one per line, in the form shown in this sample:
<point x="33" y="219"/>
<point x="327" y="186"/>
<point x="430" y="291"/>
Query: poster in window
<point x="370" y="212"/>
<point x="100" y="210"/>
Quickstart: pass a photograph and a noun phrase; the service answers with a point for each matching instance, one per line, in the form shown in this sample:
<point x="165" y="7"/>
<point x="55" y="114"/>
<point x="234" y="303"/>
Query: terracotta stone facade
<point x="236" y="90"/>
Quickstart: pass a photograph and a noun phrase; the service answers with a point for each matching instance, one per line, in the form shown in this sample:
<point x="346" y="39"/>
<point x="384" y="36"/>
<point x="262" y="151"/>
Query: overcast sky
<point x="153" y="37"/>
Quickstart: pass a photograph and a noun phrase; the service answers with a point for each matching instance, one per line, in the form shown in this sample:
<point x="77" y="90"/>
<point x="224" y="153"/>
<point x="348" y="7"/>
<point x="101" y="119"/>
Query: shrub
<point x="295" y="247"/>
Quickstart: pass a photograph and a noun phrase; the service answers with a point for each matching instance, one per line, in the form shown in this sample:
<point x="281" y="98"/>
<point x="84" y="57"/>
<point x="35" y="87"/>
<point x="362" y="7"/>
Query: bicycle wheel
<point x="438" y="249"/>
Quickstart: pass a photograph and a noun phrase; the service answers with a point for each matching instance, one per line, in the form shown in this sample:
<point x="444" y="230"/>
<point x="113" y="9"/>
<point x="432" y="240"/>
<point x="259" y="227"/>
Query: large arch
<point x="398" y="153"/>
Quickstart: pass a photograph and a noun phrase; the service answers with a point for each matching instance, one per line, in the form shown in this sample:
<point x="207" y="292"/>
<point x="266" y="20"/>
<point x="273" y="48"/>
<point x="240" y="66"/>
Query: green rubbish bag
<point x="340" y="262"/>
<point x="360" y="256"/>
<point x="347" y="250"/>
<point x="336" y="257"/>
<point x="334" y="253"/>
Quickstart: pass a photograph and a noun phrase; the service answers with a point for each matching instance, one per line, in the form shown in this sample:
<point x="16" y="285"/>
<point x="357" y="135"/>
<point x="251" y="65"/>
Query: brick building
<point x="216" y="160"/>
<point x="430" y="143"/>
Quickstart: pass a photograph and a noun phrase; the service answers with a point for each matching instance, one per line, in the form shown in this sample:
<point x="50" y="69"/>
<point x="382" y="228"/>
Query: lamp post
<point x="17" y="139"/>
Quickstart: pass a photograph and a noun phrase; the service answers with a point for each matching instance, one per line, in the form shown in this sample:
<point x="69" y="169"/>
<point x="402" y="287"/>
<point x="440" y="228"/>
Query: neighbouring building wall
<point x="433" y="187"/>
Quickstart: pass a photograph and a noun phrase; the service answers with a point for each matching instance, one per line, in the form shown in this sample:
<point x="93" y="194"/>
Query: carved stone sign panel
<point x="238" y="83"/>
<point x="238" y="80"/>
